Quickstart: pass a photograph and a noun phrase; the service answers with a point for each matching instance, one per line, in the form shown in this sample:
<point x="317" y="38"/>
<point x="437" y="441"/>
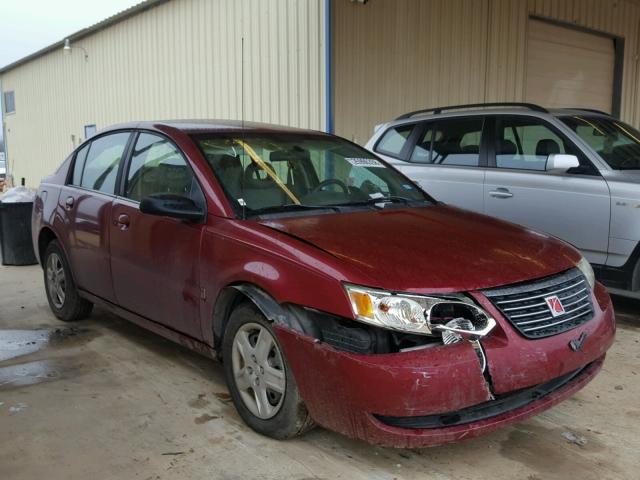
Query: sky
<point x="26" y="26"/>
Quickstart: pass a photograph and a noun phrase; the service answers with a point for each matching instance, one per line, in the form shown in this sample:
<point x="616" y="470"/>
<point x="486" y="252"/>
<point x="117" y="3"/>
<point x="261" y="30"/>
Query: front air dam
<point x="343" y="391"/>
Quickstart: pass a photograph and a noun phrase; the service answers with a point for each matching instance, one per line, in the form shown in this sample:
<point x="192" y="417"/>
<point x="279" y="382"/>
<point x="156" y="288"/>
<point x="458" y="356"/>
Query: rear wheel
<point x="259" y="379"/>
<point x="62" y="294"/>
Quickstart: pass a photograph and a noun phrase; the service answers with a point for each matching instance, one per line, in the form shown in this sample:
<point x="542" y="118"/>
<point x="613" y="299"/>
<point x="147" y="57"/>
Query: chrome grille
<point x="525" y="304"/>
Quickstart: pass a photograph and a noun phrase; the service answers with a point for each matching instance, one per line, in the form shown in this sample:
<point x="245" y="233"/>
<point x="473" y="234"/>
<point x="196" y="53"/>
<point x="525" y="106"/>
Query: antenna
<point x="243" y="203"/>
<point x="242" y="83"/>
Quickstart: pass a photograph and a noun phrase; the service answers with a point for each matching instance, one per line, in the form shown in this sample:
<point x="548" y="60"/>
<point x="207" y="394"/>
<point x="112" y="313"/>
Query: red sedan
<point x="333" y="288"/>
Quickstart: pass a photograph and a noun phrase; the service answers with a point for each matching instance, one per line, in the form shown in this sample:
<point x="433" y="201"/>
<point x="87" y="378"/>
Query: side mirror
<point x="561" y="162"/>
<point x="173" y="206"/>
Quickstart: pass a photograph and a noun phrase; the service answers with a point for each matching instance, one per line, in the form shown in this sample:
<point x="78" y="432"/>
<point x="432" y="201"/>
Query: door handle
<point x="68" y="203"/>
<point x="122" y="221"/>
<point x="501" y="192"/>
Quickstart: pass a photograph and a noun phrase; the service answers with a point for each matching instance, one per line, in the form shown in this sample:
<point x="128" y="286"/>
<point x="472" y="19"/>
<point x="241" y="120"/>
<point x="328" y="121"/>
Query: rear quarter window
<point x="394" y="140"/>
<point x="78" y="165"/>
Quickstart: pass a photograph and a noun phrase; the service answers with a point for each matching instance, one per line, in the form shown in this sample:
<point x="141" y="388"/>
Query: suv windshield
<point x="272" y="173"/>
<point x="617" y="143"/>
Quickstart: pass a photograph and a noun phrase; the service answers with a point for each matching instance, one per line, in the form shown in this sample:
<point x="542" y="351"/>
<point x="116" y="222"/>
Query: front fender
<point x="236" y="260"/>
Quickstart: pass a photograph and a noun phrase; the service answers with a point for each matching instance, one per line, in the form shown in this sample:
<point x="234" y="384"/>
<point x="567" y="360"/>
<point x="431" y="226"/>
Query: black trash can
<point x="15" y="234"/>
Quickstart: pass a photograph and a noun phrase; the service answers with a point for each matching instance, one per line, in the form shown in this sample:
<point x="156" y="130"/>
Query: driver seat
<point x="260" y="190"/>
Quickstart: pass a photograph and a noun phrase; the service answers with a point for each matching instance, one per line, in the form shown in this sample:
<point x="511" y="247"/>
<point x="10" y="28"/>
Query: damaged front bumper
<point x="440" y="394"/>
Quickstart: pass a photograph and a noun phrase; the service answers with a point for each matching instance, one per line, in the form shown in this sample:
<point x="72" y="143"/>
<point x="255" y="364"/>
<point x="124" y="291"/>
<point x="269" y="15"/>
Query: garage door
<point x="568" y="68"/>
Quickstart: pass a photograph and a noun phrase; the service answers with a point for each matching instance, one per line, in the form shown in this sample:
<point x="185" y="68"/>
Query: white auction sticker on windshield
<point x="365" y="162"/>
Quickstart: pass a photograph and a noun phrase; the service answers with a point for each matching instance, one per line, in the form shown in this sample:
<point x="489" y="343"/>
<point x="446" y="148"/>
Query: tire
<point x="285" y="416"/>
<point x="62" y="294"/>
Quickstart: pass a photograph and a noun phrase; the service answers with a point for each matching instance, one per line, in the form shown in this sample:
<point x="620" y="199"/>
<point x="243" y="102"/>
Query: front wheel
<point x="260" y="382"/>
<point x="62" y="294"/>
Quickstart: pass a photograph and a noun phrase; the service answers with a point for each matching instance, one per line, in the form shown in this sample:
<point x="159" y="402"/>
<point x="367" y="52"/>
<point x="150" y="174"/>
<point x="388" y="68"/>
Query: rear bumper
<point x="382" y="398"/>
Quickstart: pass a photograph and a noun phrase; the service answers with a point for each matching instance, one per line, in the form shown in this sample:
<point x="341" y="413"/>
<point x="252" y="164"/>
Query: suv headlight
<point x="587" y="271"/>
<point x="423" y="315"/>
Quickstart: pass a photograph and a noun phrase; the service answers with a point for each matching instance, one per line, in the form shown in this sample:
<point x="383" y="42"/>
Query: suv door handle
<point x="122" y="221"/>
<point x="501" y="192"/>
<point x="68" y="203"/>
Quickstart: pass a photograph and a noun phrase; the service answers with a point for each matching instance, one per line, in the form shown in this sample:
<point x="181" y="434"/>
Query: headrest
<point x="471" y="149"/>
<point x="546" y="147"/>
<point x="226" y="162"/>
<point x="447" y="147"/>
<point x="177" y="178"/>
<point x="506" y="147"/>
<point x="256" y="177"/>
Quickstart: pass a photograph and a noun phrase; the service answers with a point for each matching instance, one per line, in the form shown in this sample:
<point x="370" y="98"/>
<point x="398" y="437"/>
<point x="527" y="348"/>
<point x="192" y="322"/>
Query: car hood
<point x="431" y="249"/>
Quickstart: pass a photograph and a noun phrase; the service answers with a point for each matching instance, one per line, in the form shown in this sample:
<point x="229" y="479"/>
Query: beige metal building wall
<point x="178" y="59"/>
<point x="394" y="56"/>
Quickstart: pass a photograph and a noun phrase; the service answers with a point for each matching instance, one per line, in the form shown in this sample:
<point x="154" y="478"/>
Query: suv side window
<point x="526" y="142"/>
<point x="102" y="162"/>
<point x="394" y="140"/>
<point x="450" y="142"/>
<point x="157" y="166"/>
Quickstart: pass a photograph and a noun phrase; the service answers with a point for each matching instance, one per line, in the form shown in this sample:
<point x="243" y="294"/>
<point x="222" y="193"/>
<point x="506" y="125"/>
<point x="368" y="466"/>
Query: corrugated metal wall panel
<point x="181" y="59"/>
<point x="391" y="56"/>
<point x="461" y="51"/>
<point x="506" y="44"/>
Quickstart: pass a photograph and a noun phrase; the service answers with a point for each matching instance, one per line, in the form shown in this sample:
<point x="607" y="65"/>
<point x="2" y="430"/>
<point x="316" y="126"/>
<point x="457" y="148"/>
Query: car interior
<point x="257" y="188"/>
<point x="246" y="180"/>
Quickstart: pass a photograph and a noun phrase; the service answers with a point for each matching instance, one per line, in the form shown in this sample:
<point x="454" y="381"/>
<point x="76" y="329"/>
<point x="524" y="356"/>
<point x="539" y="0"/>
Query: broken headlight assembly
<point x="453" y="317"/>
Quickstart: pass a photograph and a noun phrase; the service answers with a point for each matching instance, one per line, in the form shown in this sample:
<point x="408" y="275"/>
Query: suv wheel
<point x="260" y="382"/>
<point x="63" y="297"/>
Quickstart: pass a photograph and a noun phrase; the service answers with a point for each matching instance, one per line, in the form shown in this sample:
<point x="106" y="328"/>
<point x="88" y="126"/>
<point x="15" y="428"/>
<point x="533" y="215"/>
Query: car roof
<point x="567" y="112"/>
<point x="210" y="125"/>
<point x="495" y="110"/>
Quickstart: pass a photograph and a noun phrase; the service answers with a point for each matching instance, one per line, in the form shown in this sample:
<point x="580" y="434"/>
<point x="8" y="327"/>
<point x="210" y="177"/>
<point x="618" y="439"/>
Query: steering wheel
<point x="331" y="181"/>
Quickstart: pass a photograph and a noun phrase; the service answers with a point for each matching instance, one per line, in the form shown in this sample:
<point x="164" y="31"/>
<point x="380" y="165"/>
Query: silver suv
<point x="573" y="173"/>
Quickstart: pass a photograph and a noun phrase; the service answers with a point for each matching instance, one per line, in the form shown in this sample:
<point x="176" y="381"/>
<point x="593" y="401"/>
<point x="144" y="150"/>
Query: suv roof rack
<point x="437" y="110"/>
<point x="592" y="110"/>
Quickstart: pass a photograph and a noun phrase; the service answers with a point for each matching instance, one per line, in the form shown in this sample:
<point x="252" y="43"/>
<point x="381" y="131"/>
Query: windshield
<point x="617" y="143"/>
<point x="272" y="173"/>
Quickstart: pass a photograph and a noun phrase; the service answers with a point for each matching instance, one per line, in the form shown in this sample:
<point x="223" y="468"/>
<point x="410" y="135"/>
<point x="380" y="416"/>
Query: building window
<point x="9" y="102"/>
<point x="89" y="131"/>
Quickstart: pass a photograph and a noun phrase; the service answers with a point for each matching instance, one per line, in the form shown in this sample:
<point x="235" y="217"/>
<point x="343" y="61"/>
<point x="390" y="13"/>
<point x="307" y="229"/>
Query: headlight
<point x="459" y="317"/>
<point x="587" y="271"/>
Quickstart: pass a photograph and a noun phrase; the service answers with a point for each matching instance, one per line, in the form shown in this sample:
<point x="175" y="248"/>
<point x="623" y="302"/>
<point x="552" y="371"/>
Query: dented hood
<point x="431" y="249"/>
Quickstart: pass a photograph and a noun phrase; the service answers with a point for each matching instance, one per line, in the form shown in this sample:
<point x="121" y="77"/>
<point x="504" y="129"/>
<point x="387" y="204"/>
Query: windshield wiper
<point x="291" y="207"/>
<point x="383" y="200"/>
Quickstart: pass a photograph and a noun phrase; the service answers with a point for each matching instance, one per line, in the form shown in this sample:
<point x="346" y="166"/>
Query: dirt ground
<point x="104" y="399"/>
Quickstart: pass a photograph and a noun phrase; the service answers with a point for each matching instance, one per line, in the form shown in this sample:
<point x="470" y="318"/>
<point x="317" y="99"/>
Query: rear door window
<point x="394" y="140"/>
<point x="450" y="142"/>
<point x="103" y="161"/>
